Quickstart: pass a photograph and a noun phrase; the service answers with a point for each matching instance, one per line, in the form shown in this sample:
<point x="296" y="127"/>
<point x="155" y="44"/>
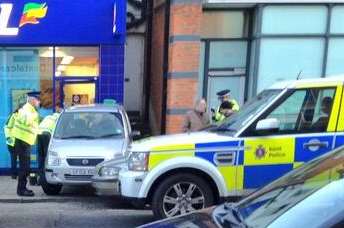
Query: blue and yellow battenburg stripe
<point x="249" y="170"/>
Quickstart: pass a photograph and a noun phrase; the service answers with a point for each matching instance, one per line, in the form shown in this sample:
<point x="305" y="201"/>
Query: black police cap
<point x="35" y="94"/>
<point x="223" y="93"/>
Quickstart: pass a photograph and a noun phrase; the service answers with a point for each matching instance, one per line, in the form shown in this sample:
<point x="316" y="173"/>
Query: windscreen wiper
<point x="110" y="135"/>
<point x="78" y="137"/>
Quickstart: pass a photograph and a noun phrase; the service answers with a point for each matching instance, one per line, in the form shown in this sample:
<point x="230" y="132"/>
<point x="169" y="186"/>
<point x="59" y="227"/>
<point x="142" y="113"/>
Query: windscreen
<point x="89" y="125"/>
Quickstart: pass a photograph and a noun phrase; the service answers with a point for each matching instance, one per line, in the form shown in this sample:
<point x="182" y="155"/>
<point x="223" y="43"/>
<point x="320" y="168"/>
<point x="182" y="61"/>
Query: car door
<point x="307" y="120"/>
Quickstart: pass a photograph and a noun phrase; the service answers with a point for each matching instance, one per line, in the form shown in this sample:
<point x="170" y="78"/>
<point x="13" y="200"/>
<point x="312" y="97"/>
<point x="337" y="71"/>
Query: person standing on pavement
<point x="25" y="132"/>
<point x="227" y="107"/>
<point x="46" y="128"/>
<point x="10" y="142"/>
<point x="198" y="118"/>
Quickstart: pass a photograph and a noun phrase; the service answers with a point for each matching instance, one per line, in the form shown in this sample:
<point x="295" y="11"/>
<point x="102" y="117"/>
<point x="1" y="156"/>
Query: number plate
<point x="80" y="172"/>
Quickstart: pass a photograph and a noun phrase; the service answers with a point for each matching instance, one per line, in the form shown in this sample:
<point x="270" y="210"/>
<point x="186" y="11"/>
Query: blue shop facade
<point x="71" y="51"/>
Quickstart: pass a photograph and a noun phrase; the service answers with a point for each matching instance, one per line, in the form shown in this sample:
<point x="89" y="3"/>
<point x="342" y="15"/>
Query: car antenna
<point x="298" y="76"/>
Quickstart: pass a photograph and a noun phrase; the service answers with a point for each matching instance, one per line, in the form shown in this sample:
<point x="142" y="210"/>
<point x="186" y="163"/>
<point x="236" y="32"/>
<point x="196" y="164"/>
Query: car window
<point x="248" y="111"/>
<point x="288" y="112"/>
<point x="266" y="205"/>
<point x="300" y="111"/>
<point x="89" y="125"/>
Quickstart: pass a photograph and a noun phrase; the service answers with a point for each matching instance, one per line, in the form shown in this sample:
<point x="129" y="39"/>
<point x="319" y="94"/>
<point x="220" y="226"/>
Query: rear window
<point x="89" y="125"/>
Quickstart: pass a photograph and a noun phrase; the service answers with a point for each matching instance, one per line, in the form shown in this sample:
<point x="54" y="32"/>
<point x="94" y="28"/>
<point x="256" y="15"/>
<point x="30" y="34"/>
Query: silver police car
<point x="84" y="137"/>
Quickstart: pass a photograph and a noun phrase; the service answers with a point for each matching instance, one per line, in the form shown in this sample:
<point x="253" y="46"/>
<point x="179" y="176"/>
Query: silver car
<point x="84" y="137"/>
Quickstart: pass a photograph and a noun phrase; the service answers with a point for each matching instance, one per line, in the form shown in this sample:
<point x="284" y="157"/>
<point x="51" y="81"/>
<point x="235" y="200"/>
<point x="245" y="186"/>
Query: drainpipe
<point x="165" y="65"/>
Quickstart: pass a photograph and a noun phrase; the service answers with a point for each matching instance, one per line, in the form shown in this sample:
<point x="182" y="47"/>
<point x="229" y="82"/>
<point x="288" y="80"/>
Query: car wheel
<point x="180" y="194"/>
<point x="50" y="189"/>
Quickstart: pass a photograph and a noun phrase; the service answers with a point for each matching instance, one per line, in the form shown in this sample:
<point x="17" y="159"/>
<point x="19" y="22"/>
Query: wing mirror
<point x="268" y="125"/>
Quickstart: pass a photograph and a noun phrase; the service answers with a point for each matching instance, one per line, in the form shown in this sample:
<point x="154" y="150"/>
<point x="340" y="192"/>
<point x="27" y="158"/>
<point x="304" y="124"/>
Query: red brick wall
<point x="186" y="19"/>
<point x="183" y="61"/>
<point x="185" y="22"/>
<point x="156" y="76"/>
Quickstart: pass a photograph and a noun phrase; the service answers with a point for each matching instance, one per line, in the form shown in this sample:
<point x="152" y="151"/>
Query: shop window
<point x="335" y="57"/>
<point x="224" y="24"/>
<point x="337" y="20"/>
<point x="24" y="69"/>
<point x="284" y="59"/>
<point x="77" y="61"/>
<point x="296" y="19"/>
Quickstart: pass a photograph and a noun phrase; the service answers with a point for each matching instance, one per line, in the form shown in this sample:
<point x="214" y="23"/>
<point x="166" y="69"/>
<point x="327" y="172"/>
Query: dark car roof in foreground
<point x="95" y="108"/>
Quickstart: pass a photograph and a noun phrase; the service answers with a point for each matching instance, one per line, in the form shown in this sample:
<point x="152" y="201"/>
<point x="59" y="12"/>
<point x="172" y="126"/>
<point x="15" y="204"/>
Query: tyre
<point x="180" y="194"/>
<point x="50" y="189"/>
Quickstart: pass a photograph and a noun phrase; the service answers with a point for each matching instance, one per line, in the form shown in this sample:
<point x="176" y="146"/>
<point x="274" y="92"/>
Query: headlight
<point x="138" y="161"/>
<point x="108" y="171"/>
<point x="53" y="159"/>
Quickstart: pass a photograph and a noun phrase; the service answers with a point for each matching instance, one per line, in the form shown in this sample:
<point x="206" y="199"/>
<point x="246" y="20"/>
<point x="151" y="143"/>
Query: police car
<point x="277" y="131"/>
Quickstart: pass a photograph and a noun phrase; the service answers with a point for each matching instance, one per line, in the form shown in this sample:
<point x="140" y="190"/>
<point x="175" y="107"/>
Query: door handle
<point x="315" y="144"/>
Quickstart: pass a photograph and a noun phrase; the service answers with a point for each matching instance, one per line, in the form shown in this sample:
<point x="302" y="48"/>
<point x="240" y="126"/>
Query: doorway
<point x="76" y="91"/>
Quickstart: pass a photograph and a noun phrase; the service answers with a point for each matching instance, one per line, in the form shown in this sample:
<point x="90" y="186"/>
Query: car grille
<point x="78" y="177"/>
<point x="84" y="161"/>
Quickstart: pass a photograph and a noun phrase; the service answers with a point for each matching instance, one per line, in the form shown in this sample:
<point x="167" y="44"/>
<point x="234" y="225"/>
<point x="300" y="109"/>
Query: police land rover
<point x="277" y="131"/>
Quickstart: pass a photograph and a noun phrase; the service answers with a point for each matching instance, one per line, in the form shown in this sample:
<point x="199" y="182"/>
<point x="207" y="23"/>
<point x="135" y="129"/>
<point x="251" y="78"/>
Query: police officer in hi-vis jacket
<point x="24" y="132"/>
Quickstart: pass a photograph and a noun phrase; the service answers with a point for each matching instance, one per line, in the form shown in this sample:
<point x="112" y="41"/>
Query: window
<point x="225" y="59"/>
<point x="301" y="111"/>
<point x="89" y="125"/>
<point x="335" y="57"/>
<point x="337" y="20"/>
<point x="295" y="19"/>
<point x="288" y="112"/>
<point x="77" y="61"/>
<point x="223" y="24"/>
<point x="285" y="58"/>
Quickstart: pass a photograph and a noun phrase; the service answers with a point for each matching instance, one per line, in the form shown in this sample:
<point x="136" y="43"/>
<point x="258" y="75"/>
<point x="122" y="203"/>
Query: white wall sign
<point x="5" y="13"/>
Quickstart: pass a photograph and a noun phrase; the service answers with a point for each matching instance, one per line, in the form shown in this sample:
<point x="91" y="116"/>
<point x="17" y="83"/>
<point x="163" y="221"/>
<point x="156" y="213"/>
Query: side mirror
<point x="271" y="124"/>
<point x="135" y="134"/>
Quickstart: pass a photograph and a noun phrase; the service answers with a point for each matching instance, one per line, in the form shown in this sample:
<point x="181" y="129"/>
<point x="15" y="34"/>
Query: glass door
<point x="225" y="68"/>
<point x="80" y="91"/>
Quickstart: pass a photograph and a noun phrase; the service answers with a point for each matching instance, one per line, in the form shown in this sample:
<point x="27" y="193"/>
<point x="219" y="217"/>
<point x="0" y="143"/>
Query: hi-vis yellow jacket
<point x="219" y="117"/>
<point x="8" y="129"/>
<point x="48" y="123"/>
<point x="26" y="124"/>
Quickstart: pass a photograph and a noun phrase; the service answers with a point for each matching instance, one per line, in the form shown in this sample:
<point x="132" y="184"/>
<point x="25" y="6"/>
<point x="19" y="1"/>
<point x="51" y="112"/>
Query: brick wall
<point x="183" y="61"/>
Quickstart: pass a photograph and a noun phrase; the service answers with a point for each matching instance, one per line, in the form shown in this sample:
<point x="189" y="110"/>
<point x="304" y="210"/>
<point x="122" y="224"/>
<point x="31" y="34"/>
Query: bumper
<point x="131" y="183"/>
<point x="106" y="186"/>
<point x="67" y="176"/>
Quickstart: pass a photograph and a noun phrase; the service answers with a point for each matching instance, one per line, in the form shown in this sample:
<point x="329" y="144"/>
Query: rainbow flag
<point x="32" y="12"/>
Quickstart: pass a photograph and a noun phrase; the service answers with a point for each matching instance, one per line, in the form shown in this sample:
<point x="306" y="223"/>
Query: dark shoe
<point x="28" y="190"/>
<point x="26" y="193"/>
<point x="14" y="177"/>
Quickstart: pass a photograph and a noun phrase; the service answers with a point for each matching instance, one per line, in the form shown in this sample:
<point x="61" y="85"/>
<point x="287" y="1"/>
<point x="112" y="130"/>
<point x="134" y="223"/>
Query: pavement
<point x="8" y="193"/>
<point x="74" y="207"/>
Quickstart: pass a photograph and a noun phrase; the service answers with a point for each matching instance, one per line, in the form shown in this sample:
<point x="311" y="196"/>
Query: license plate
<point x="81" y="172"/>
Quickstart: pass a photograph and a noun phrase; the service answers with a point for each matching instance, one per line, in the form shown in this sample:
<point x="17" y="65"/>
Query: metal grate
<point x="84" y="161"/>
<point x="78" y="177"/>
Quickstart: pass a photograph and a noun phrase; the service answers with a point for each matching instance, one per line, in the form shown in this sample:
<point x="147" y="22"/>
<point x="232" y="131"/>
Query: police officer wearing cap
<point x="228" y="106"/>
<point x="25" y="132"/>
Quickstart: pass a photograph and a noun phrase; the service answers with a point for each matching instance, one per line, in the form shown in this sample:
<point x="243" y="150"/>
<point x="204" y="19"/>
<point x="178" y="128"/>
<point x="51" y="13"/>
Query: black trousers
<point x="14" y="156"/>
<point x="42" y="144"/>
<point x="22" y="149"/>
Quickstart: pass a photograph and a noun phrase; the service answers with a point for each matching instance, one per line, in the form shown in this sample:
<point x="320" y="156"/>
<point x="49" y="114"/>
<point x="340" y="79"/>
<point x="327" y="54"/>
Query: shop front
<point x="71" y="51"/>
